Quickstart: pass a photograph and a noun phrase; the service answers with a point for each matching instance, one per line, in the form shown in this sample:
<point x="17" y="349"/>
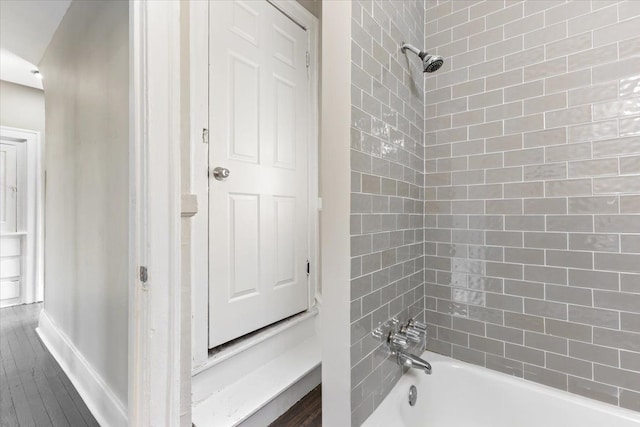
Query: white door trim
<point x="199" y="106"/>
<point x="199" y="61"/>
<point x="154" y="306"/>
<point x="34" y="226"/>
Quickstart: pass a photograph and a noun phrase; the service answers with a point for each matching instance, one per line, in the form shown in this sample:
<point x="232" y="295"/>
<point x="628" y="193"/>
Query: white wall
<point x="335" y="188"/>
<point x="86" y="70"/>
<point x="21" y="107"/>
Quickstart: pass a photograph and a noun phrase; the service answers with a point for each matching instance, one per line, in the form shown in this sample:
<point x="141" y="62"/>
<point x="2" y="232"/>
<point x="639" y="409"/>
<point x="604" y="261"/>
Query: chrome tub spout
<point x="412" y="361"/>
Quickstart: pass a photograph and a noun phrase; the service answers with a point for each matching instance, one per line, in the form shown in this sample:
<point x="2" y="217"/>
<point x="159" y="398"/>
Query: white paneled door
<point x="258" y="116"/>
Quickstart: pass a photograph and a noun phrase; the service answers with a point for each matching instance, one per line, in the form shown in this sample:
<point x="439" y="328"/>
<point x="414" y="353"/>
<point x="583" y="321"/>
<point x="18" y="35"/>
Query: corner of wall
<point x="387" y="189"/>
<point x="334" y="217"/>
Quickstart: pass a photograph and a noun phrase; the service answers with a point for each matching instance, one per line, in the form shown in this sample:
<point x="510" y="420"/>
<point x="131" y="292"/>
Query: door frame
<point x="199" y="105"/>
<point x="34" y="211"/>
<point x="154" y="213"/>
<point x="154" y="204"/>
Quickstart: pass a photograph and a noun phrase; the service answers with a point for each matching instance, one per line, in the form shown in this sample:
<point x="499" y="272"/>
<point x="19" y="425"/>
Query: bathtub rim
<point x="437" y="359"/>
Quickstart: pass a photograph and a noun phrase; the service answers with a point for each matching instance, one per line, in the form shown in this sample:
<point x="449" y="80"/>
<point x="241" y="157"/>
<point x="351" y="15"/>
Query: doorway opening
<point x="21" y="217"/>
<point x="255" y="241"/>
<point x="254" y="169"/>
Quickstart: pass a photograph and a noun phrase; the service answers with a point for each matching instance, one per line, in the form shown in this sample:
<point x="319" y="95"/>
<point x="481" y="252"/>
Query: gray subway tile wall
<point x="387" y="194"/>
<point x="532" y="191"/>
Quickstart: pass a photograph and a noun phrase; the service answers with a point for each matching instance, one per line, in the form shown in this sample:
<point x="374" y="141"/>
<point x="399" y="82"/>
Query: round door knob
<point x="221" y="173"/>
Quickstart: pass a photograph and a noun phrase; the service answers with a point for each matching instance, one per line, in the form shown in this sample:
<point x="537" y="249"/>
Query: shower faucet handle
<point x="416" y="325"/>
<point x="398" y="341"/>
<point x="414" y="335"/>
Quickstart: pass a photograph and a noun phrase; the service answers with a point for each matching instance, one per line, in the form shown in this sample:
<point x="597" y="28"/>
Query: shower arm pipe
<point x="411" y="47"/>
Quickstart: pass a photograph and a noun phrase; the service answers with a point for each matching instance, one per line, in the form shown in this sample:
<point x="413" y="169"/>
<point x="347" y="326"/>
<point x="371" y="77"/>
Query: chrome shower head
<point x="430" y="63"/>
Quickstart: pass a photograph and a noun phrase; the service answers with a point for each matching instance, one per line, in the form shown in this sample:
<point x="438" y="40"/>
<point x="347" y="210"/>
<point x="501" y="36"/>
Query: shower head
<point x="430" y="63"/>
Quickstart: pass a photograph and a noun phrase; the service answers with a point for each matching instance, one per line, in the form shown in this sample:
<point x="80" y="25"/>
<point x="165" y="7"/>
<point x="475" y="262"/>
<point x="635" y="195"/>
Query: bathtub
<point x="459" y="394"/>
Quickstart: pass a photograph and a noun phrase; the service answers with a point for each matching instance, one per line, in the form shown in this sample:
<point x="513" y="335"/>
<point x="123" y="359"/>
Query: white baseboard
<point x="105" y="406"/>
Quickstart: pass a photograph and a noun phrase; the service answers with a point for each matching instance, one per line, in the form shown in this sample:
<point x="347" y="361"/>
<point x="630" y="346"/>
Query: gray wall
<point x="86" y="71"/>
<point x="22" y="107"/>
<point x="533" y="191"/>
<point x="387" y="161"/>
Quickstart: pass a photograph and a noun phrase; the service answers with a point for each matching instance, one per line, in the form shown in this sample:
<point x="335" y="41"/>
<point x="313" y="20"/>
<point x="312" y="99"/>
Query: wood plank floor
<point x="34" y="391"/>
<point x="306" y="413"/>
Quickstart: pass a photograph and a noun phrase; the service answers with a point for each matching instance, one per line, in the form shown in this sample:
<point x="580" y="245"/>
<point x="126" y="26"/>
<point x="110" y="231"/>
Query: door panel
<point x="285" y="130"/>
<point x="258" y="216"/>
<point x="10" y="267"/>
<point x="10" y="246"/>
<point x="244" y="110"/>
<point x="244" y="243"/>
<point x="9" y="290"/>
<point x="285" y="241"/>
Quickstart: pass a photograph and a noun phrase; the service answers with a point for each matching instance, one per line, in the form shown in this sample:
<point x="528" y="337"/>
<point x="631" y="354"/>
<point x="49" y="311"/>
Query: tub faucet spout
<point x="413" y="361"/>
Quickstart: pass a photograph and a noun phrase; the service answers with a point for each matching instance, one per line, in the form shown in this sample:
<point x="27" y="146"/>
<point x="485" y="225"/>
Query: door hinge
<point x="308" y="59"/>
<point x="308" y="268"/>
<point x="205" y="135"/>
<point x="144" y="274"/>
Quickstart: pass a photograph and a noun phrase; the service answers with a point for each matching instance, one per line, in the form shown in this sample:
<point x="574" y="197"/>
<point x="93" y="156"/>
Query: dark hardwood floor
<point x="34" y="391"/>
<point x="306" y="413"/>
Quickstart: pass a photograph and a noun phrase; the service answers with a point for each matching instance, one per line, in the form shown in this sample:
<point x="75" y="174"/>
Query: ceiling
<point x="26" y="28"/>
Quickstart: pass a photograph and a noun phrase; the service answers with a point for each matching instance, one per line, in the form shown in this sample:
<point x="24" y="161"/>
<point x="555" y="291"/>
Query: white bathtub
<point x="459" y="394"/>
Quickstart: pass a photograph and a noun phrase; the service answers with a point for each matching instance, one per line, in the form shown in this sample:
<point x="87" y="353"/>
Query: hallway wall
<point x="86" y="80"/>
<point x="533" y="191"/>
